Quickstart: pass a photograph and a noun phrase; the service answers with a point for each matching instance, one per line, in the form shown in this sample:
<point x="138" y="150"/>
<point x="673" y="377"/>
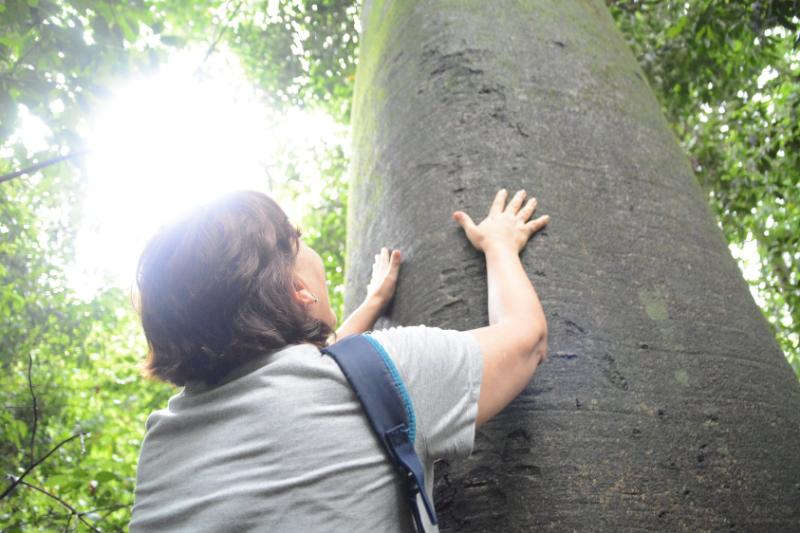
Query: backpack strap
<point x="380" y="389"/>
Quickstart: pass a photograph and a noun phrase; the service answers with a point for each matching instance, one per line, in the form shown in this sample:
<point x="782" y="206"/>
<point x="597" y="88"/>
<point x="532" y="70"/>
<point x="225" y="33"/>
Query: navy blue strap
<point x="380" y="389"/>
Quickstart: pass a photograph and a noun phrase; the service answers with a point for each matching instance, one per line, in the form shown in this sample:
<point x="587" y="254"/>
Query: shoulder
<point x="421" y="333"/>
<point x="431" y="341"/>
<point x="442" y="369"/>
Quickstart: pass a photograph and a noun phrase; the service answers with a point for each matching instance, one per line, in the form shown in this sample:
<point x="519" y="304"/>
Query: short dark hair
<point x="215" y="290"/>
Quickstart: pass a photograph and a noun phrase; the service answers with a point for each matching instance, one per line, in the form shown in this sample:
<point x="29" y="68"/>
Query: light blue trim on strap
<point x="412" y="421"/>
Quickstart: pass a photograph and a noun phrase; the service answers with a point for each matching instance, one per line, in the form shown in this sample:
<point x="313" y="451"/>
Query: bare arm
<point x="515" y="341"/>
<point x="385" y="271"/>
<point x="361" y="320"/>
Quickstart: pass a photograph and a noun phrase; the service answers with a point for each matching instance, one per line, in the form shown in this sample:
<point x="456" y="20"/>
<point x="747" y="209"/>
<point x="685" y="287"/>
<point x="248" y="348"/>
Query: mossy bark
<point x="666" y="403"/>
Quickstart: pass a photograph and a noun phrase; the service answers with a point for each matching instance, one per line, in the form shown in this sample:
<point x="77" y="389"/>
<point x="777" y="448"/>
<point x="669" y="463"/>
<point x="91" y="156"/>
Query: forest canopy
<point x="727" y="75"/>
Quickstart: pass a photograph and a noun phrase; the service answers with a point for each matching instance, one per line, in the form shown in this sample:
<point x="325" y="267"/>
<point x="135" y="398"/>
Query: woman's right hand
<point x="505" y="226"/>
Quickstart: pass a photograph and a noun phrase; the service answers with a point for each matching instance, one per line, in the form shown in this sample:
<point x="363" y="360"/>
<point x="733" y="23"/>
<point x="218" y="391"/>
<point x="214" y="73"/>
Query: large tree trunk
<point x="666" y="403"/>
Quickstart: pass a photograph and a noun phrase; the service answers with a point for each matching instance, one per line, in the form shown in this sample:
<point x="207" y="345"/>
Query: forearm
<point x="362" y="319"/>
<point x="511" y="295"/>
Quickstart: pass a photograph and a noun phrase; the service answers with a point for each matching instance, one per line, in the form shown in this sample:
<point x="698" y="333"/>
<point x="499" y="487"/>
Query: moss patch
<point x="655" y="305"/>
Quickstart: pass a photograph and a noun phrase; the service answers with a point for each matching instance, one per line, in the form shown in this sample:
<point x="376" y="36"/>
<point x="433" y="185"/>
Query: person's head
<point x="225" y="283"/>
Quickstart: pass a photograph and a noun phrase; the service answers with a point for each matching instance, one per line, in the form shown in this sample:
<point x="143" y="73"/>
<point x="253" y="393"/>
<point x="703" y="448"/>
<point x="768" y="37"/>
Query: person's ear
<point x="301" y="294"/>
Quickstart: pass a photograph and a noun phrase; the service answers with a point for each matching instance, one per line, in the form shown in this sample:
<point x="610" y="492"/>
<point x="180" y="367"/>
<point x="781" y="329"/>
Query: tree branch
<point x="17" y="480"/>
<point x="777" y="266"/>
<point x="70" y="508"/>
<point x="25" y="55"/>
<point x="108" y="511"/>
<point x="35" y="410"/>
<point x="219" y="35"/>
<point x="46" y="163"/>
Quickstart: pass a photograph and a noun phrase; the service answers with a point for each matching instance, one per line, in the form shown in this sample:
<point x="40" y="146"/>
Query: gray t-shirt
<point x="284" y="446"/>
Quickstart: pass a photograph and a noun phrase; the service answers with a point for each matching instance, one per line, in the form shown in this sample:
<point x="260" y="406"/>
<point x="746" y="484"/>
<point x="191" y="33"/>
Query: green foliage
<point x="728" y="77"/>
<point x="323" y="224"/>
<point x="85" y="381"/>
<point x="83" y="372"/>
<point x="58" y="58"/>
<point x="302" y="53"/>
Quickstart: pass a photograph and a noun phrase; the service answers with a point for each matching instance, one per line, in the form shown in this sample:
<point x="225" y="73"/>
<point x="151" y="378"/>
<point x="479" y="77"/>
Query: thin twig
<point x="70" y="508"/>
<point x="46" y="163"/>
<point x="108" y="512"/>
<point x="107" y="508"/>
<point x="35" y="410"/>
<point x="24" y="56"/>
<point x="17" y="480"/>
<point x="219" y="35"/>
<point x="31" y="48"/>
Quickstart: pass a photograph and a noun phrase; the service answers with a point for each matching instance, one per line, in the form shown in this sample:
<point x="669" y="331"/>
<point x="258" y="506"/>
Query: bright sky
<point x="168" y="142"/>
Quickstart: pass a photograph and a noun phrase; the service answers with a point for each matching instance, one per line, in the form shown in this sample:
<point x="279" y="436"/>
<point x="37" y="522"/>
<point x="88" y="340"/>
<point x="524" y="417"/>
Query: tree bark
<point x="666" y="403"/>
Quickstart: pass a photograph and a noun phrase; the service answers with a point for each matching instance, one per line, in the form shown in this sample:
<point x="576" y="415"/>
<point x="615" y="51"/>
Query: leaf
<point x="675" y="30"/>
<point x="58" y="480"/>
<point x="105" y="475"/>
<point x="128" y="31"/>
<point x="173" y="40"/>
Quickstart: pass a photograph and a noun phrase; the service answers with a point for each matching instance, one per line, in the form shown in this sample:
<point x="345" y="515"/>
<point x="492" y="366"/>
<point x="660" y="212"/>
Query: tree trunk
<point x="666" y="403"/>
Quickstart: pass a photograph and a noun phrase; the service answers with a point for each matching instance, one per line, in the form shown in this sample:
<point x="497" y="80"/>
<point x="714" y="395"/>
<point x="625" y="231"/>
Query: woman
<point x="266" y="434"/>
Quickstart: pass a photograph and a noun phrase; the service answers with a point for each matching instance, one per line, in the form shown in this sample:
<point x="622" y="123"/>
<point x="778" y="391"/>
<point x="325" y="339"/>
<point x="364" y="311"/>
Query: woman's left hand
<point x="385" y="270"/>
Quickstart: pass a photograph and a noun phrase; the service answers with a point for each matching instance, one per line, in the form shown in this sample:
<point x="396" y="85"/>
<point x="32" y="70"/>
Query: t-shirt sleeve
<point x="442" y="370"/>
